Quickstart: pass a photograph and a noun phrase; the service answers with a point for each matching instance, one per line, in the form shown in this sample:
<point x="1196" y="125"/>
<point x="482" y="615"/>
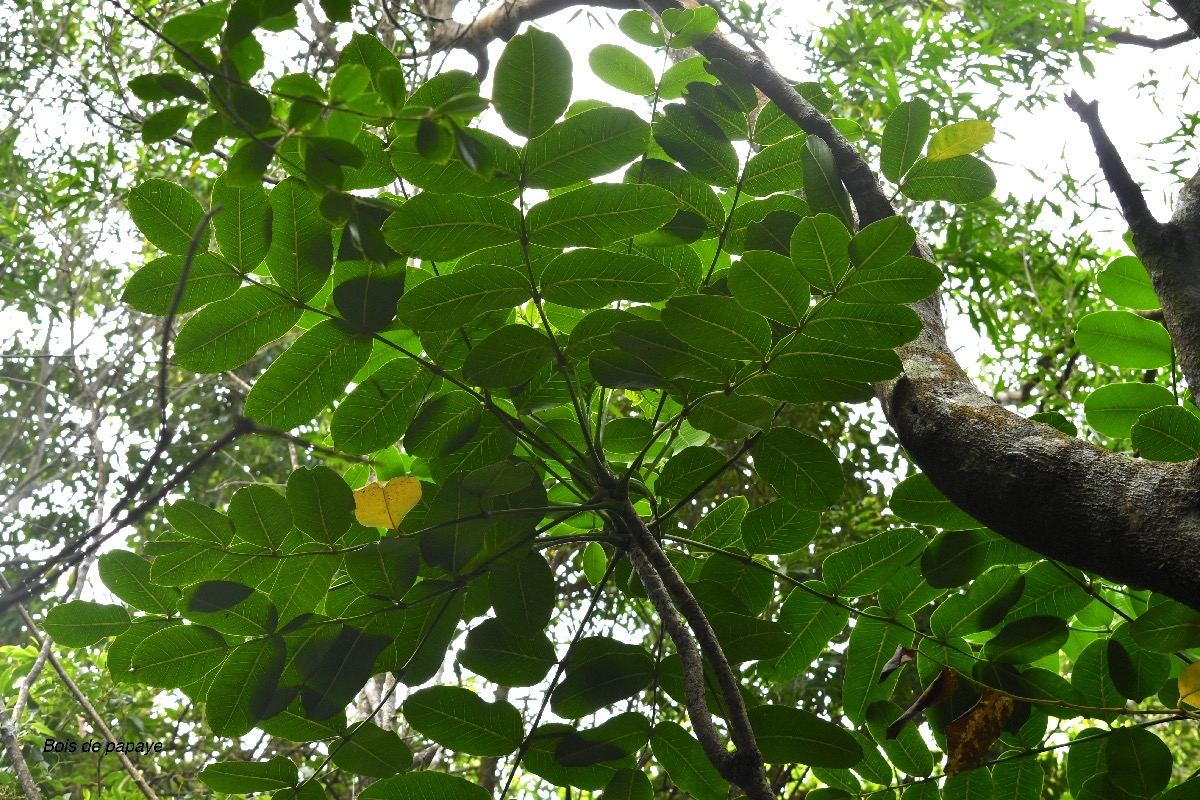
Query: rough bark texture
<point x="1124" y="519"/>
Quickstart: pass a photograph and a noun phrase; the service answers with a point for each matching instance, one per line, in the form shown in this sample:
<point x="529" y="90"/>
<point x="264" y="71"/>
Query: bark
<point x="1127" y="520"/>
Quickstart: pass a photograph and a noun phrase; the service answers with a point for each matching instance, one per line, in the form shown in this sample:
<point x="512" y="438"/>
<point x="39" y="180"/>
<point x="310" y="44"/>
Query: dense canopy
<point x="547" y="399"/>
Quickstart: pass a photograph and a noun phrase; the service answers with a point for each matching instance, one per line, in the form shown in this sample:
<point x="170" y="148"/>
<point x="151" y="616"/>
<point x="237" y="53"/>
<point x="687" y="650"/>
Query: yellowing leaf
<point x="1189" y="685"/>
<point x="960" y="139"/>
<point x="384" y="505"/>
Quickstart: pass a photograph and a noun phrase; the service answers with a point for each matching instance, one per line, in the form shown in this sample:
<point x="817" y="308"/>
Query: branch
<point x="1170" y="252"/>
<point x="745" y="766"/>
<point x="1129" y="193"/>
<point x="1125" y="37"/>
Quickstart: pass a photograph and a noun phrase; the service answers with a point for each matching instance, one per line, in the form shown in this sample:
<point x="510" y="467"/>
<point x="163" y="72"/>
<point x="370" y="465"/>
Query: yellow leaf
<point x="960" y="139"/>
<point x="1189" y="685"/>
<point x="384" y="505"/>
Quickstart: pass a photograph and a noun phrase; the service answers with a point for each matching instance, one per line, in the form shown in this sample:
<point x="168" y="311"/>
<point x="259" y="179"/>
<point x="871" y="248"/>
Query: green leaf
<point x="907" y="750"/>
<point x="243" y="686"/>
<point x="301" y="584"/>
<point x="1167" y="627"/>
<point x="506" y="657"/>
<point x="677" y="79"/>
<point x="532" y="85"/>
<point x="1018" y="778"/>
<point x="167" y="215"/>
<point x="163" y="124"/>
<point x="127" y="575"/>
<point x="600" y="214"/>
<point x="245" y="777"/>
<point x="321" y="502"/>
<point x="805" y="357"/>
<point x="629" y="784"/>
<point x="778" y="528"/>
<point x="651" y="342"/>
<point x="787" y="735"/>
<point x="718" y="325"/>
<point x="863" y="568"/>
<point x="812" y="621"/>
<point x="369" y="750"/>
<point x="772" y="125"/>
<point x="509" y="356"/>
<point x="152" y="288"/>
<point x="178" y="656"/>
<point x="1085" y="758"/>
<point x="523" y="594"/>
<point x="307" y="377"/>
<point x="820" y="250"/>
<point x="769" y="284"/>
<point x="801" y="468"/>
<point x="1024" y="641"/>
<point x="963" y="179"/>
<point x="872" y="642"/>
<point x="917" y="500"/>
<point x="587" y="278"/>
<point x="1114" y="408"/>
<point x="1136" y="672"/>
<point x="975" y="784"/>
<point x="248" y="162"/>
<point x="600" y="672"/>
<point x="627" y="435"/>
<point x="425" y="785"/>
<point x="731" y="416"/>
<point x="371" y="53"/>
<point x="698" y="144"/>
<point x="904" y="138"/>
<point x="959" y="139"/>
<point x="775" y="168"/>
<point x="439" y="227"/>
<point x="445" y="302"/>
<point x="620" y="68"/>
<point x="227" y="334"/>
<point x="722" y="526"/>
<point x="855" y="323"/>
<point x="906" y="281"/>
<point x="641" y="28"/>
<point x="1170" y="433"/>
<point x="443" y="425"/>
<point x="684" y="760"/>
<point x="462" y="721"/>
<point x="192" y="520"/>
<point x="693" y="194"/>
<point x="410" y="158"/>
<point x="687" y="470"/>
<point x="1126" y="283"/>
<point x="956" y="557"/>
<point x="595" y="563"/>
<point x="747" y="582"/>
<point x="387" y="568"/>
<point x="744" y="638"/>
<point x="229" y="607"/>
<point x="243" y="225"/>
<point x="585" y="145"/>
<point x="1123" y="339"/>
<point x="81" y="623"/>
<point x="689" y="26"/>
<point x="823" y="188"/>
<point x="1138" y="761"/>
<point x="301" y="254"/>
<point x="379" y="410"/>
<point x="339" y="672"/>
<point x="882" y="243"/>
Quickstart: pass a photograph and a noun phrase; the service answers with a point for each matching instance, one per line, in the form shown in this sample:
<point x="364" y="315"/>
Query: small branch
<point x="1128" y="192"/>
<point x="12" y="746"/>
<point x="1125" y="37"/>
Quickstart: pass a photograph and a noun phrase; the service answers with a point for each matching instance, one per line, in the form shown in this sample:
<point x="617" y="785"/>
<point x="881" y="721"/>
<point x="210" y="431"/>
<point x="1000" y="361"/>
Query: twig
<point x="12" y="746"/>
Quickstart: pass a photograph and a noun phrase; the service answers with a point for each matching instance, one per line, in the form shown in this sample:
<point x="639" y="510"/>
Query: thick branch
<point x="12" y="746"/>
